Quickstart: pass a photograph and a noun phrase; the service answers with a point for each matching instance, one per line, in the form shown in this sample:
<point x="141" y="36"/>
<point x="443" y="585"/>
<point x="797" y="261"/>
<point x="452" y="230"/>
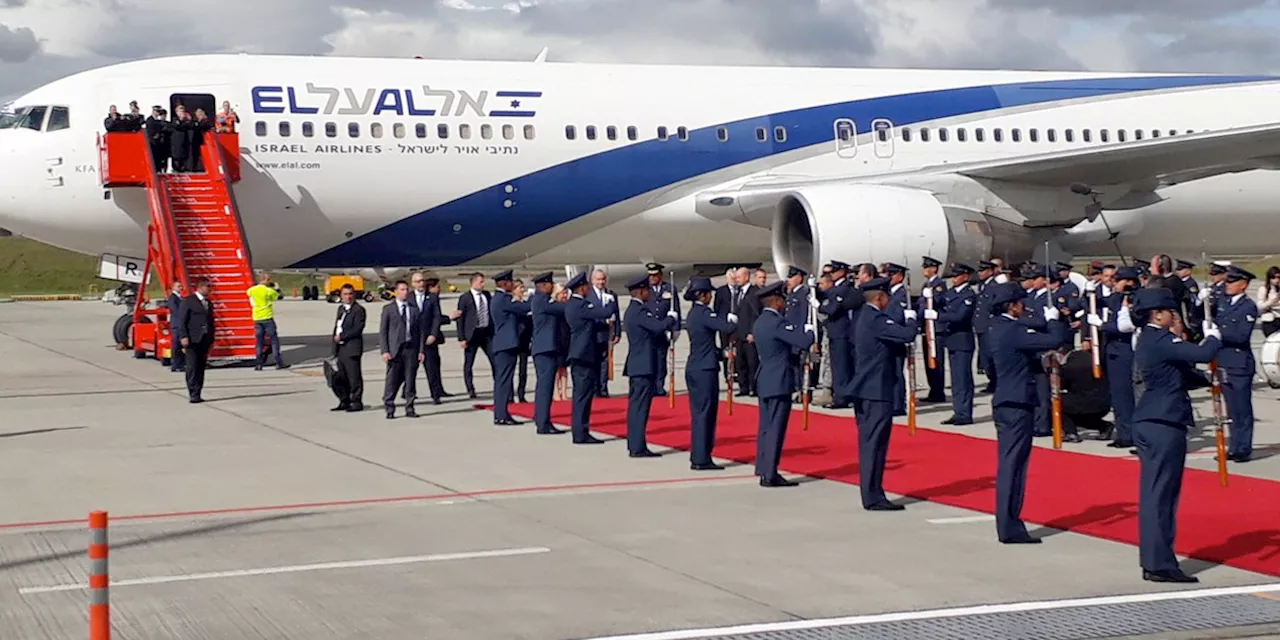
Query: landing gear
<point x="122" y="332"/>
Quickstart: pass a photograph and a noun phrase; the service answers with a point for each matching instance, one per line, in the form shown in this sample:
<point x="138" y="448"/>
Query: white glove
<point x="1051" y="314"/>
<point x="1090" y="286"/>
<point x="808" y="328"/>
<point x="930" y="314"/>
<point x="607" y="299"/>
<point x="732" y="318"/>
<point x="813" y="302"/>
<point x="673" y="315"/>
<point x="1211" y="331"/>
<point x="1094" y="320"/>
<point x="1204" y="294"/>
<point x="909" y="314"/>
<point x="1080" y="313"/>
<point x="1002" y="278"/>
<point x="1207" y="326"/>
<point x="927" y="293"/>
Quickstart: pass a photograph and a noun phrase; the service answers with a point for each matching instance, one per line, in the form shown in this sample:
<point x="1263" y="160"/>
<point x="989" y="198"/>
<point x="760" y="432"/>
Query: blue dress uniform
<point x="1117" y="358"/>
<point x="1015" y="354"/>
<point x="937" y="376"/>
<point x="1190" y="306"/>
<point x="878" y="338"/>
<point x="1068" y="297"/>
<point x="548" y="325"/>
<point x="1217" y="290"/>
<point x="837" y="304"/>
<point x="660" y="302"/>
<point x="1033" y="317"/>
<point x="982" y="324"/>
<point x="644" y="329"/>
<point x="584" y="319"/>
<point x="507" y="314"/>
<point x="1160" y="424"/>
<point x="777" y="341"/>
<point x="797" y="312"/>
<point x="1236" y="318"/>
<point x="956" y="317"/>
<point x="897" y="311"/>
<point x="701" y="373"/>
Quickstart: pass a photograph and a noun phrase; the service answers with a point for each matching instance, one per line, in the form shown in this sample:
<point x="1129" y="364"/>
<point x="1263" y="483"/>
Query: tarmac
<point x="260" y="514"/>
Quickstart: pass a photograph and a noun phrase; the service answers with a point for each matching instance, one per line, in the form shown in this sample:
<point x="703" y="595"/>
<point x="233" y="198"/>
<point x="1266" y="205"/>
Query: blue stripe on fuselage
<point x="565" y="192"/>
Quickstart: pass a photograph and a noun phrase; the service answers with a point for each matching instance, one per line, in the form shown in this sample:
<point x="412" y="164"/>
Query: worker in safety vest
<point x="262" y="299"/>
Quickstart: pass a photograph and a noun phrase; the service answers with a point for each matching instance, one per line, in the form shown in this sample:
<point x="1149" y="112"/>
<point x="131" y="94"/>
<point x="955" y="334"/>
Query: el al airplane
<point x="356" y="163"/>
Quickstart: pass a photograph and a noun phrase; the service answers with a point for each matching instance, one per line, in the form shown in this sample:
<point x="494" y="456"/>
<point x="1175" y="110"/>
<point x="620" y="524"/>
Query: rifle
<point x="911" y="368"/>
<point x="1095" y="351"/>
<point x="733" y="355"/>
<point x="671" y="352"/>
<point x="930" y="334"/>
<point x="1215" y="378"/>
<point x="610" y="324"/>
<point x="809" y="353"/>
<point x="1055" y="377"/>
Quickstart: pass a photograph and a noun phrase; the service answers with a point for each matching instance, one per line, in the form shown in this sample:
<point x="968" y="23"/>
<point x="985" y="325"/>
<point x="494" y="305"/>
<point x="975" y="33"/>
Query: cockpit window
<point x="59" y="119"/>
<point x="33" y="118"/>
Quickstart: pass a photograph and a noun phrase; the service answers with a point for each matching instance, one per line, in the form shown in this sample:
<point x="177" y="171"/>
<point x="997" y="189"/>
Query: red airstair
<point x="194" y="232"/>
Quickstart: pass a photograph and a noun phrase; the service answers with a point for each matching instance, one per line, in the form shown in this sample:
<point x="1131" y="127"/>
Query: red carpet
<point x="1093" y="495"/>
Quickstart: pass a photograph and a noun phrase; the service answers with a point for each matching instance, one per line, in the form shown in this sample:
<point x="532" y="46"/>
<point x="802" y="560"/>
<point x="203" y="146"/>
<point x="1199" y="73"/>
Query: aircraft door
<point x="846" y="134"/>
<point x="193" y="101"/>
<point x="882" y="138"/>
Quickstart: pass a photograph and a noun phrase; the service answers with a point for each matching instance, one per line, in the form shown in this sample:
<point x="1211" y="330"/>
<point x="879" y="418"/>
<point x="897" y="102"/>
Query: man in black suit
<point x="610" y="332"/>
<point x="725" y="302"/>
<point x="433" y="321"/>
<point x="176" y="361"/>
<point x="400" y="332"/>
<point x="748" y="309"/>
<point x="194" y="328"/>
<point x="348" y="347"/>
<point x="475" y="327"/>
<point x="525" y="331"/>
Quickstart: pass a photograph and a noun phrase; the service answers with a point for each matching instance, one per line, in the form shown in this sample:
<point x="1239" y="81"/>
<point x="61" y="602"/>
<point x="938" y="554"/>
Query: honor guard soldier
<point x="1215" y="294"/>
<point x="548" y="320"/>
<point x="1160" y="424"/>
<point x="797" y="312"/>
<point x="777" y="341"/>
<point x="897" y="275"/>
<point x="507" y="314"/>
<point x="1015" y="353"/>
<point x="662" y="295"/>
<point x="934" y="285"/>
<point x="1036" y="283"/>
<point x="1117" y="362"/>
<point x="700" y="371"/>
<point x="1190" y="306"/>
<point x="837" y="304"/>
<point x="584" y="320"/>
<point x="987" y="272"/>
<point x="955" y="310"/>
<point x="644" y="328"/>
<point x="1070" y="302"/>
<point x="1236" y="319"/>
<point x="879" y="338"/>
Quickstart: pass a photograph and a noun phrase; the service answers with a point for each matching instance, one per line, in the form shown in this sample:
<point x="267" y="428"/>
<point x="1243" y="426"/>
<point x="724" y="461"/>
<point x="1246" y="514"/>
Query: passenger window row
<point x="591" y="132"/>
<point x="979" y="134"/>
<point x="307" y="129"/>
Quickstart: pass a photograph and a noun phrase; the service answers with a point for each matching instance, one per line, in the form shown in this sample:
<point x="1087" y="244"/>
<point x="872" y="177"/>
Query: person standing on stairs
<point x="200" y="127"/>
<point x="262" y="300"/>
<point x="179" y="130"/>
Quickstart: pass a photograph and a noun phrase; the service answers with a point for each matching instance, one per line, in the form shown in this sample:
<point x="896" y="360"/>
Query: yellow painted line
<point x="1269" y="596"/>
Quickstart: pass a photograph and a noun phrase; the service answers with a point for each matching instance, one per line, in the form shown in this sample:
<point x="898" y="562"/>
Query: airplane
<point x="377" y="163"/>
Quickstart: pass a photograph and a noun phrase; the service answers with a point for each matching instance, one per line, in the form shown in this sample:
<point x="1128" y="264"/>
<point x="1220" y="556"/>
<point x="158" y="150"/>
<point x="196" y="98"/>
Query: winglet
<point x="542" y="55"/>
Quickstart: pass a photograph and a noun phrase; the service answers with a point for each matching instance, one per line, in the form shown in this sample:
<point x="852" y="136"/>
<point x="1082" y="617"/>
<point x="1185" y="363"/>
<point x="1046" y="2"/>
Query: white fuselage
<point x="355" y="162"/>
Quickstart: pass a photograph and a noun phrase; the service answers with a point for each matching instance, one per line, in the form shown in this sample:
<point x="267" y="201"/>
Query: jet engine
<point x="814" y="225"/>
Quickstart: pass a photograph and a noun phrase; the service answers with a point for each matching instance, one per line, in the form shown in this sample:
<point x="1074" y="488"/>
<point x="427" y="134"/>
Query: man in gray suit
<point x="400" y="333"/>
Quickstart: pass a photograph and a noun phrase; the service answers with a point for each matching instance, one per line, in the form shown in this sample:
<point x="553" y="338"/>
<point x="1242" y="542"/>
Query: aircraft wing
<point x="1151" y="162"/>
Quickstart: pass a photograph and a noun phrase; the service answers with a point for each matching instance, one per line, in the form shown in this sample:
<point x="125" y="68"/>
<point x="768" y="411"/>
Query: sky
<point x="41" y="40"/>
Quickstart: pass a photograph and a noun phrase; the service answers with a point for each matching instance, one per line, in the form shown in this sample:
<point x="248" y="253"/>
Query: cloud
<point x="44" y="40"/>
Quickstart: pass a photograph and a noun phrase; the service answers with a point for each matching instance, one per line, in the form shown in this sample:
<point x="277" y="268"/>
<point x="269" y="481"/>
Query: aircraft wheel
<point x="122" y="329"/>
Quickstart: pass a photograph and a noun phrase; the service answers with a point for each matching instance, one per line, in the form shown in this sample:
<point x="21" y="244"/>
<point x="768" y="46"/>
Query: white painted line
<point x="1040" y="605"/>
<point x="351" y="564"/>
<point x="961" y="519"/>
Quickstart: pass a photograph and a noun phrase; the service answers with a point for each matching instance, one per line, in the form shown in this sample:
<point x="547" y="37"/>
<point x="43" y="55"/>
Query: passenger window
<point x="780" y="134"/>
<point x="486" y="131"/>
<point x="284" y="129"/>
<point x="1155" y="133"/>
<point x="1033" y="135"/>
<point x="997" y="134"/>
<point x="882" y="135"/>
<point x="1137" y="134"/>
<point x="980" y="135"/>
<point x="464" y="131"/>
<point x="34" y="118"/>
<point x="375" y="129"/>
<point x="442" y="131"/>
<point x="353" y="129"/>
<point x="420" y="130"/>
<point x="259" y="128"/>
<point x="611" y="132"/>
<point x="1087" y="135"/>
<point x="1173" y="132"/>
<point x="529" y="132"/>
<point x="397" y="130"/>
<point x="632" y="133"/>
<point x="308" y="129"/>
<point x="508" y="132"/>
<point x="570" y="132"/>
<point x="1069" y="135"/>
<point x="591" y="132"/>
<point x="1104" y="136"/>
<point x="662" y="133"/>
<point x="761" y="134"/>
<point x="1121" y="135"/>
<point x="330" y="130"/>
<point x="924" y="134"/>
<point x="961" y="135"/>
<point x="943" y="135"/>
<point x="906" y="134"/>
<point x="722" y="134"/>
<point x="1052" y="135"/>
<point x="59" y="119"/>
<point x="1015" y="134"/>
<point x="682" y="133"/>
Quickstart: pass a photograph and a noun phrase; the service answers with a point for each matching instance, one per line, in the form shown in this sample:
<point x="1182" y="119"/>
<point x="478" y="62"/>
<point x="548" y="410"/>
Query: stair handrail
<point x="216" y="167"/>
<point x="162" y="217"/>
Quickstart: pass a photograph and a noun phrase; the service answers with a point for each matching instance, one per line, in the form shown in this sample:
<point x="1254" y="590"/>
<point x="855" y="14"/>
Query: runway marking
<point x="324" y="566"/>
<point x="464" y="496"/>
<point x="961" y="519"/>
<point x="1269" y="596"/>
<point x="956" y="612"/>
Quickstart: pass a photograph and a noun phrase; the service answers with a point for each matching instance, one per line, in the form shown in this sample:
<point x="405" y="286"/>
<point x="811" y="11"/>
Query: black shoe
<point x="1120" y="445"/>
<point x="660" y="393"/>
<point x="836" y="405"/>
<point x="506" y="422"/>
<point x="282" y="366"/>
<point x="645" y="453"/>
<point x="391" y="414"/>
<point x="1175" y="575"/>
<point x="705" y="466"/>
<point x="410" y="413"/>
<point x="257" y="367"/>
<point x="435" y="401"/>
<point x="342" y="407"/>
<point x="195" y="400"/>
<point x="447" y="395"/>
<point x="1072" y="437"/>
<point x="1023" y="540"/>
<point x="550" y="431"/>
<point x="935" y="399"/>
<point x="1042" y="434"/>
<point x="355" y="408"/>
<point x="778" y="481"/>
<point x="885" y="506"/>
<point x="472" y="395"/>
<point x="956" y="421"/>
<point x="588" y="440"/>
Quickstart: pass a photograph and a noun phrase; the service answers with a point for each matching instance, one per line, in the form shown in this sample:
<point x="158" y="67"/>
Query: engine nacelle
<point x="874" y="223"/>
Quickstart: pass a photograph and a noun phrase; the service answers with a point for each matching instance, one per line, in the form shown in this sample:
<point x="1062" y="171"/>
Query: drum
<point x="1271" y="360"/>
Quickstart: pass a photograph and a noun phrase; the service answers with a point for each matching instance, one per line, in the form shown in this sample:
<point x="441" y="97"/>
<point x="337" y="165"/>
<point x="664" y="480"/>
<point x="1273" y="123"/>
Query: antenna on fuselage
<point x="542" y="55"/>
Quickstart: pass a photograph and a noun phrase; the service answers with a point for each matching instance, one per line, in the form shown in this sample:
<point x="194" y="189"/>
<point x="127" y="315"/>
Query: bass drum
<point x="1271" y="360"/>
